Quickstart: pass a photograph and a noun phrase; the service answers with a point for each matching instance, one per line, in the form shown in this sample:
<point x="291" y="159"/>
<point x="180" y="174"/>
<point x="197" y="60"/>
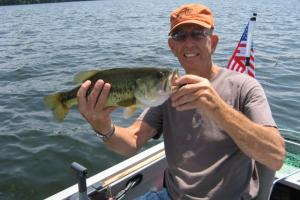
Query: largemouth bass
<point x="130" y="88"/>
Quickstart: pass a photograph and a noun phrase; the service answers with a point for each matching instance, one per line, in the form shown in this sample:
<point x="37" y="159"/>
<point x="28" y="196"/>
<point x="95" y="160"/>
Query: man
<point x="215" y="126"/>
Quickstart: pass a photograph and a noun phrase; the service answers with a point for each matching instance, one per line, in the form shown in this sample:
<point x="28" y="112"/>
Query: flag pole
<point x="249" y="38"/>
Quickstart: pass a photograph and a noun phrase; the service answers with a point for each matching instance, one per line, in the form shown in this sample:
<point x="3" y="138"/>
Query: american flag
<point x="238" y="61"/>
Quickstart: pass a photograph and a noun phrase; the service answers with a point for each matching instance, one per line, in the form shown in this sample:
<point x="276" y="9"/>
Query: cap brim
<point x="191" y="22"/>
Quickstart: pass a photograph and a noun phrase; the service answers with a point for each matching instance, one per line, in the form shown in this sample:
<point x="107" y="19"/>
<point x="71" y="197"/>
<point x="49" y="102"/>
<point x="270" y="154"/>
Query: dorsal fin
<point x="83" y="76"/>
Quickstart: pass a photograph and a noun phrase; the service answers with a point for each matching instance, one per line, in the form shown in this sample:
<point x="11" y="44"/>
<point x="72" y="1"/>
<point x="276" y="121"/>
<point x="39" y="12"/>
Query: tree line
<point x="17" y="2"/>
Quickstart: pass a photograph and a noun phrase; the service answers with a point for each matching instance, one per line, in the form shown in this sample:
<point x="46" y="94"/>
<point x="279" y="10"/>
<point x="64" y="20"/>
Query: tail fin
<point x="53" y="102"/>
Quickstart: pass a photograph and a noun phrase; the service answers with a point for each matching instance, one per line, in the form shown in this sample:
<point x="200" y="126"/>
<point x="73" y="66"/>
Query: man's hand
<point x="92" y="107"/>
<point x="195" y="93"/>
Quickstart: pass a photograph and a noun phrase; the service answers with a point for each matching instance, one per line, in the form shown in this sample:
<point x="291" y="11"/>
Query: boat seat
<point x="266" y="178"/>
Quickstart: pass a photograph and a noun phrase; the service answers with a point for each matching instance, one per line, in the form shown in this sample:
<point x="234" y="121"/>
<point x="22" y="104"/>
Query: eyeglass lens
<point x="196" y="34"/>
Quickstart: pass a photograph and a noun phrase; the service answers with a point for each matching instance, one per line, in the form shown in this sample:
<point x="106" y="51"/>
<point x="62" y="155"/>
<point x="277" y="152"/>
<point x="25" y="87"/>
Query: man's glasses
<point x="196" y="34"/>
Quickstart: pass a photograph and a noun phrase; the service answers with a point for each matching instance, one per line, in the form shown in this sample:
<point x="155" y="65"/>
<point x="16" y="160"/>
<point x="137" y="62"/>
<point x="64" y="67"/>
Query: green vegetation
<point x="16" y="2"/>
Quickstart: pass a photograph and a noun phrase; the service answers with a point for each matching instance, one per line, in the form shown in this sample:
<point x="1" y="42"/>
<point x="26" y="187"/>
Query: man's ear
<point x="171" y="45"/>
<point x="214" y="42"/>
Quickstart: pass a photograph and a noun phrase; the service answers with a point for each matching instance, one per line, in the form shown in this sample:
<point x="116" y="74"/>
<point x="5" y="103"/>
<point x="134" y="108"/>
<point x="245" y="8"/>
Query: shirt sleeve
<point x="153" y="117"/>
<point x="255" y="103"/>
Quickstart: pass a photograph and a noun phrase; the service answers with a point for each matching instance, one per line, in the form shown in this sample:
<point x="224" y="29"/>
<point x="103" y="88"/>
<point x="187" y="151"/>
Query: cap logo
<point x="185" y="12"/>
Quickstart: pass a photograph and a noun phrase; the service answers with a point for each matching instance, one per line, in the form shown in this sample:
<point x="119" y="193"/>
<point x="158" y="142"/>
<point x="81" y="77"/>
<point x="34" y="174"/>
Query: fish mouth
<point x="168" y="85"/>
<point x="164" y="85"/>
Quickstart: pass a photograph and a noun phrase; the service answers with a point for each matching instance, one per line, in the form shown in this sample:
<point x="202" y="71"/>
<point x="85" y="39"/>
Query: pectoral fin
<point x="128" y="112"/>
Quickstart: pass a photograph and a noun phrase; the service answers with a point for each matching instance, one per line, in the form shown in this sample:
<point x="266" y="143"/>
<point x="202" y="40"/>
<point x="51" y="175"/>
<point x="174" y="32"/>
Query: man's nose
<point x="189" y="41"/>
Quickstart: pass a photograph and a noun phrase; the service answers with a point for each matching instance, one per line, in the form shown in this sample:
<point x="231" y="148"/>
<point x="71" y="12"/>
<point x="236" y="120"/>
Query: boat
<point x="145" y="172"/>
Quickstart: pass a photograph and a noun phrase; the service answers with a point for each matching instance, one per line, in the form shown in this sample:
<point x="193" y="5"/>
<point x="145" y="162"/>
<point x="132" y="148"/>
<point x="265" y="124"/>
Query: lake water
<point x="43" y="46"/>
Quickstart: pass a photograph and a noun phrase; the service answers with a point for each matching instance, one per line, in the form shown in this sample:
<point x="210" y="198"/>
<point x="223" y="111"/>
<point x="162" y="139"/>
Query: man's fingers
<point x="189" y="84"/>
<point x="93" y="97"/>
<point x="187" y="106"/>
<point x="81" y="94"/>
<point x="185" y="90"/>
<point x="103" y="97"/>
<point x="192" y="89"/>
<point x="188" y="79"/>
<point x="184" y="100"/>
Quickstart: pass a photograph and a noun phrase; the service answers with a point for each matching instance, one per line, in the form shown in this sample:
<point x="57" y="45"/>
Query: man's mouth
<point x="189" y="55"/>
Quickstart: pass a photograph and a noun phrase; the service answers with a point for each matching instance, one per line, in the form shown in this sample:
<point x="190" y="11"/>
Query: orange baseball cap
<point x="192" y="14"/>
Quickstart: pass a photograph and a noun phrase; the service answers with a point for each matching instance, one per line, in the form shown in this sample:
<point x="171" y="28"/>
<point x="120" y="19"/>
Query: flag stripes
<point x="238" y="62"/>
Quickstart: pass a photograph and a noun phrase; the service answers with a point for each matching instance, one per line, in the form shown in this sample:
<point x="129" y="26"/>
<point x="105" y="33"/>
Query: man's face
<point x="193" y="45"/>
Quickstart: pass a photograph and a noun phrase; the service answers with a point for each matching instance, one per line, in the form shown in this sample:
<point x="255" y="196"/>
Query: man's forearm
<point x="261" y="143"/>
<point x="122" y="141"/>
<point x="127" y="141"/>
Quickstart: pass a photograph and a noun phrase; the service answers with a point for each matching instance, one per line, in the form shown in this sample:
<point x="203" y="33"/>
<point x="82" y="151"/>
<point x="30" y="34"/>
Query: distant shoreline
<point x="23" y="2"/>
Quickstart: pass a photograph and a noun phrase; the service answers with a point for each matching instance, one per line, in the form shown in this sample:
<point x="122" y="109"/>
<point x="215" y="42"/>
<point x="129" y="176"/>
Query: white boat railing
<point x="117" y="173"/>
